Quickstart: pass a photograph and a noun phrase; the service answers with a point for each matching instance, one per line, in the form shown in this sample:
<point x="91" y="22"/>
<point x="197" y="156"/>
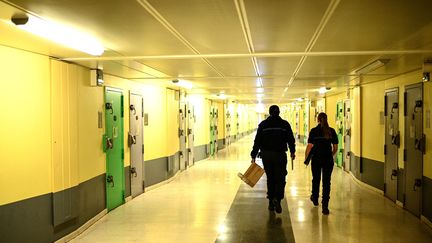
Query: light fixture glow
<point x="183" y="83"/>
<point x="372" y="66"/>
<point x="60" y="34"/>
<point x="260" y="108"/>
<point x="323" y="90"/>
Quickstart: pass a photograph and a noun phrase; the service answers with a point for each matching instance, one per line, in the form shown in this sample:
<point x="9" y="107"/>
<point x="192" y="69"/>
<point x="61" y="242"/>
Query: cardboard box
<point x="252" y="174"/>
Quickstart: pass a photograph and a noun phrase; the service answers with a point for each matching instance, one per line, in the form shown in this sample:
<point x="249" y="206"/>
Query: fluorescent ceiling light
<point x="60" y="34"/>
<point x="260" y="108"/>
<point x="299" y="99"/>
<point x="372" y="66"/>
<point x="183" y="83"/>
<point x="260" y="90"/>
<point x="260" y="95"/>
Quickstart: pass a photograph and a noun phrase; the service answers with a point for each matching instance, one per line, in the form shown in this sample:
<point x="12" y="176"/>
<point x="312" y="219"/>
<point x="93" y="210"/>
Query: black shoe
<point x="325" y="211"/>
<point x="271" y="206"/>
<point x="315" y="201"/>
<point x="277" y="205"/>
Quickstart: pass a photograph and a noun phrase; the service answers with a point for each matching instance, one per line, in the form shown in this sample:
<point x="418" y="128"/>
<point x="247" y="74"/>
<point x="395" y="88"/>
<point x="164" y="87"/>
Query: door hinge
<point x="405" y="103"/>
<point x="385" y="105"/>
<point x="385" y="149"/>
<point x="404" y="198"/>
<point x="122" y="153"/>
<point x="143" y="185"/>
<point x="404" y="155"/>
<point x="121" y="105"/>
<point x="385" y="188"/>
<point x="143" y="148"/>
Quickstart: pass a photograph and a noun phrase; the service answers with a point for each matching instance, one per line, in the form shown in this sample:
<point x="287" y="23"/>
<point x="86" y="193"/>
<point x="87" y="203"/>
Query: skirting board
<point x="361" y="183"/>
<point x="152" y="187"/>
<point x="81" y="229"/>
<point x="426" y="221"/>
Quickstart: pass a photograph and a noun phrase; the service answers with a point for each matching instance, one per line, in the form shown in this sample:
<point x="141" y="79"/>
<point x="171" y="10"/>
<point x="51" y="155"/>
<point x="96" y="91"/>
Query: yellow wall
<point x="356" y="128"/>
<point x="427" y="158"/>
<point x="372" y="104"/>
<point x="221" y="119"/>
<point x="330" y="107"/>
<point x="172" y="111"/>
<point x="202" y="119"/>
<point x="25" y="157"/>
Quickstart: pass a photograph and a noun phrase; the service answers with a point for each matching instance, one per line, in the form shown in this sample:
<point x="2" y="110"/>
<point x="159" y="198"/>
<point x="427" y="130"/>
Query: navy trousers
<point x="325" y="168"/>
<point x="275" y="168"/>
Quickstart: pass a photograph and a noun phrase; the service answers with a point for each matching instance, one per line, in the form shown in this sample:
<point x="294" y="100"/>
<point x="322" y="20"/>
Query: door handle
<point x="133" y="171"/>
<point x="417" y="183"/>
<point x="109" y="106"/>
<point x="394" y="173"/>
<point x="109" y="143"/>
<point x="110" y="179"/>
<point x="420" y="144"/>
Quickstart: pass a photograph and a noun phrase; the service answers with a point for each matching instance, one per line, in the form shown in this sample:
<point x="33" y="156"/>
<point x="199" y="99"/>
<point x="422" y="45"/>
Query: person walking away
<point x="272" y="137"/>
<point x="324" y="141"/>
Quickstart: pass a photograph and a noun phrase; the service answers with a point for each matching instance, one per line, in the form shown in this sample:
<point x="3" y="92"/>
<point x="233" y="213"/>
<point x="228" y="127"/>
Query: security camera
<point x="175" y="81"/>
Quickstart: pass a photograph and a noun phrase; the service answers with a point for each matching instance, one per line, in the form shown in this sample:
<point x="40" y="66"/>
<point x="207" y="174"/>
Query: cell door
<point x="115" y="182"/>
<point x="414" y="147"/>
<point x="190" y="134"/>
<point x="135" y="142"/>
<point x="391" y="147"/>
<point x="212" y="132"/>
<point x="347" y="136"/>
<point x="182" y="136"/>
<point x="228" y="128"/>
<point x="215" y="130"/>
<point x="340" y="132"/>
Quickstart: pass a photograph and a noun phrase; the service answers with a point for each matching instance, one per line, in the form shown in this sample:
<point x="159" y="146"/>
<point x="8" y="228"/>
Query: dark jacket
<point x="273" y="134"/>
<point x="322" y="147"/>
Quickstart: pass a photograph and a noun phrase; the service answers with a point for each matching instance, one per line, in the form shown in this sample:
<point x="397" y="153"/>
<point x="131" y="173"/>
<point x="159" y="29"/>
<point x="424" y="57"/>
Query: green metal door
<point x="340" y="131"/>
<point x="114" y="148"/>
<point x="212" y="131"/>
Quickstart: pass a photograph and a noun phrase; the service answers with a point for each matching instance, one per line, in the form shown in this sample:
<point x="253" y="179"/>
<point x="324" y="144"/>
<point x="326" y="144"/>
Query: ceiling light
<point x="299" y="99"/>
<point x="372" y="66"/>
<point x="59" y="34"/>
<point x="324" y="90"/>
<point x="260" y="90"/>
<point x="182" y="83"/>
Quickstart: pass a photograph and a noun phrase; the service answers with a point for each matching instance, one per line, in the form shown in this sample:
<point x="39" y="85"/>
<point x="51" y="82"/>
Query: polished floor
<point x="209" y="203"/>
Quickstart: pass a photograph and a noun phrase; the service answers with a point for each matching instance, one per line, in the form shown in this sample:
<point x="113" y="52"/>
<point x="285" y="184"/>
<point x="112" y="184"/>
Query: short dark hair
<point x="274" y="110"/>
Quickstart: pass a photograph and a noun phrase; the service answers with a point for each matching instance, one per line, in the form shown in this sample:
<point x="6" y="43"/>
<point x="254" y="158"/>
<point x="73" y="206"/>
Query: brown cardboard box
<point x="252" y="174"/>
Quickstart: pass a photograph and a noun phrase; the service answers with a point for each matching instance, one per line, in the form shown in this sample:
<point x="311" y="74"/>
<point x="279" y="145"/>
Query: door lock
<point x="133" y="171"/>
<point x="394" y="173"/>
<point x="110" y="179"/>
<point x="396" y="139"/>
<point x="109" y="106"/>
<point x="132" y="108"/>
<point x="417" y="183"/>
<point x="109" y="143"/>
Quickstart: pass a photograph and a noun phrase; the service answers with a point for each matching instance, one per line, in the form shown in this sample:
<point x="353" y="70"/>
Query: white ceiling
<point x="294" y="46"/>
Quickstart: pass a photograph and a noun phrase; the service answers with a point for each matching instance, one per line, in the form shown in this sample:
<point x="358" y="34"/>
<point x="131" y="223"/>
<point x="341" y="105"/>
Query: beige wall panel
<point x="330" y="107"/>
<point x="202" y="122"/>
<point x="25" y="125"/>
<point x="356" y="121"/>
<point x="427" y="159"/>
<point x="64" y="108"/>
<point x="172" y="111"/>
<point x="221" y="120"/>
<point x="372" y="103"/>
<point x="92" y="159"/>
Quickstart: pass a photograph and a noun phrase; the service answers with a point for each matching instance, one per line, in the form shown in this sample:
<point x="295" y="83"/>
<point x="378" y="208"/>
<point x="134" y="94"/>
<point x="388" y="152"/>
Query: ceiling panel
<point x="283" y="25"/>
<point x="278" y="65"/>
<point x="182" y="67"/>
<point x="124" y="26"/>
<point x="234" y="66"/>
<point x="332" y="65"/>
<point x="373" y="25"/>
<point x="211" y="26"/>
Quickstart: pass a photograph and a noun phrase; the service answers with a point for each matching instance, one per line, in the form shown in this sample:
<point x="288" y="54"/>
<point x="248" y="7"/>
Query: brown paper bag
<point x="252" y="174"/>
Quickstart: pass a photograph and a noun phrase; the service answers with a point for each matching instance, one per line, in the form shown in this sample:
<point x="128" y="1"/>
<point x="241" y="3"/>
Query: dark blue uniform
<point x="322" y="161"/>
<point x="271" y="139"/>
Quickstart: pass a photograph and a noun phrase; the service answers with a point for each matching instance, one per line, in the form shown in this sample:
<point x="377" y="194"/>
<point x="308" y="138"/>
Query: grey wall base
<point x="368" y="171"/>
<point x="427" y="198"/>
<point x="31" y="220"/>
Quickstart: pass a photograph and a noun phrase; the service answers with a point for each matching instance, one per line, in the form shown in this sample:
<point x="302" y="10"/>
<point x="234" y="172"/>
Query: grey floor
<point x="209" y="203"/>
